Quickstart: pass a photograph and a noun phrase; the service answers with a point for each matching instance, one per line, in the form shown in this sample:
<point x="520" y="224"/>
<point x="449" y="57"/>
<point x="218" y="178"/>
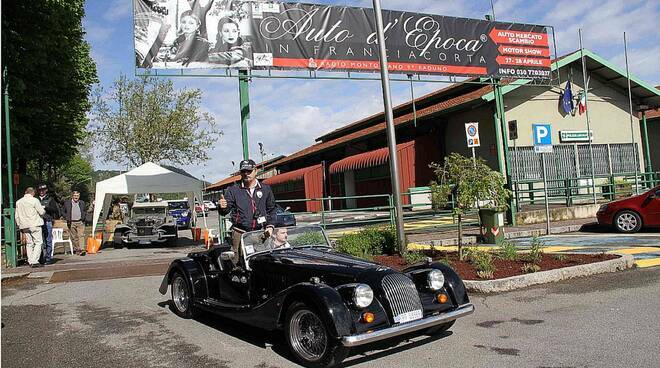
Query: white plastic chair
<point x="58" y="237"/>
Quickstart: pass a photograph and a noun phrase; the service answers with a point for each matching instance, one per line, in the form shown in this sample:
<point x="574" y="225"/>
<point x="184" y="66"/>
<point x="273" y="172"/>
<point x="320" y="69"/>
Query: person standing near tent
<point x="52" y="213"/>
<point x="251" y="206"/>
<point x="28" y="218"/>
<point x="74" y="214"/>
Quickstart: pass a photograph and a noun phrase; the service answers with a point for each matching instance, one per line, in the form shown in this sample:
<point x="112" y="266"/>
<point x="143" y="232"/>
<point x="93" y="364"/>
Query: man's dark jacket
<point x="50" y="205"/>
<point x="241" y="207"/>
<point x="67" y="210"/>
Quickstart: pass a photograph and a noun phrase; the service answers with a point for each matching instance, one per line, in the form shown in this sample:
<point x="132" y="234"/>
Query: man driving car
<point x="279" y="238"/>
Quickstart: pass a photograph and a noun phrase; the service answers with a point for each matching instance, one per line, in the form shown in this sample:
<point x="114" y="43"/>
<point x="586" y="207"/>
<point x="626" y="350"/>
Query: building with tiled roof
<point x="353" y="160"/>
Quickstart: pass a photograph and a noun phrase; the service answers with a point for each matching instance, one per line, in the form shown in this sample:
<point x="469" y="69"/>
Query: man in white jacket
<point x="28" y="218"/>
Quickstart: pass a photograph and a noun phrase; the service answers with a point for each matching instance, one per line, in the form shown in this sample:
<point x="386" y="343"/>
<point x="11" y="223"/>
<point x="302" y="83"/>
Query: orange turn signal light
<point x="368" y="317"/>
<point x="442" y="298"/>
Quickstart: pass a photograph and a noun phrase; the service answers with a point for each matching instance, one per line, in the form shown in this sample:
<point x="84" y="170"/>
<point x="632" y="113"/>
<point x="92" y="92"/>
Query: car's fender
<point x="327" y="302"/>
<point x="193" y="271"/>
<point x="451" y="278"/>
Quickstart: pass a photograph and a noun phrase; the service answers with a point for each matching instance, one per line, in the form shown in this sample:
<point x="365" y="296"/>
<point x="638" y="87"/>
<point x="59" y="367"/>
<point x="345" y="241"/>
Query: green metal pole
<point x="511" y="214"/>
<point x="498" y="140"/>
<point x="647" y="151"/>
<point x="10" y="229"/>
<point x="244" y="96"/>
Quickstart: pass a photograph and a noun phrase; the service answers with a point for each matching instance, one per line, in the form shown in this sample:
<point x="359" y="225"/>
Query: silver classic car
<point x="148" y="223"/>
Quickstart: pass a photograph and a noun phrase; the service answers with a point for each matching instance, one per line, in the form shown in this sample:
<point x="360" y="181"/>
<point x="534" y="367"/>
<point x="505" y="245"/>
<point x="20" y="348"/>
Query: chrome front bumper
<point x="421" y="324"/>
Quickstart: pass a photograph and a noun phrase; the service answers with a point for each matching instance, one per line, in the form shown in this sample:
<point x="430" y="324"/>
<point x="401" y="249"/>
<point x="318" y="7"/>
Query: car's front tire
<point x="440" y="328"/>
<point x="182" y="303"/>
<point x="627" y="221"/>
<point x="309" y="340"/>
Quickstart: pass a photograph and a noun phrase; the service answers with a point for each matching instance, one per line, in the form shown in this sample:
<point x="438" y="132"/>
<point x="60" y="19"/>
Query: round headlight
<point x="363" y="296"/>
<point x="436" y="280"/>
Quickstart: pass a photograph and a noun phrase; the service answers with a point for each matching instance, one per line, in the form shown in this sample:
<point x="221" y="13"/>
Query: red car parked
<point x="630" y="214"/>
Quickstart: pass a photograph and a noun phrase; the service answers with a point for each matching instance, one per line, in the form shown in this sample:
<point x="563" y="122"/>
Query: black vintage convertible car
<point x="326" y="302"/>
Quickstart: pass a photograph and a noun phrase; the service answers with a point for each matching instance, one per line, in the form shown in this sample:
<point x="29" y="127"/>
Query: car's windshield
<point x="142" y="211"/>
<point x="178" y="205"/>
<point x="284" y="238"/>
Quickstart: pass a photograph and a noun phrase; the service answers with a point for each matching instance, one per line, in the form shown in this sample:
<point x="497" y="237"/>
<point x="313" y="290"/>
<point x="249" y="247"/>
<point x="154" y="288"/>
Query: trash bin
<point x="197" y="233"/>
<point x="493" y="220"/>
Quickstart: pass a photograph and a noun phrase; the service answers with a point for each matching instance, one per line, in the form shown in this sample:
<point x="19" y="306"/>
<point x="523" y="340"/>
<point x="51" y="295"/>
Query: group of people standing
<point x="35" y="214"/>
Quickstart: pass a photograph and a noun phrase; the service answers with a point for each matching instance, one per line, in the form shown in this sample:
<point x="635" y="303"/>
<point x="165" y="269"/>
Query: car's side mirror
<point x="653" y="196"/>
<point x="287" y="209"/>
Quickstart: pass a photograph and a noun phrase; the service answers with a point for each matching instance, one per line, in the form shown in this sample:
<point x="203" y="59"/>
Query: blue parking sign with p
<point x="542" y="134"/>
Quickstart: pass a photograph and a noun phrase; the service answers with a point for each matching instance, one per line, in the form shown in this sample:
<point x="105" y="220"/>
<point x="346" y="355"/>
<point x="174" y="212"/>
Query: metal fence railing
<point x="334" y="211"/>
<point x="567" y="192"/>
<point x="579" y="190"/>
<point x="11" y="245"/>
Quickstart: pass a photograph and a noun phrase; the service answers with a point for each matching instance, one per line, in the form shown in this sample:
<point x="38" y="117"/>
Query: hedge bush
<point x="368" y="242"/>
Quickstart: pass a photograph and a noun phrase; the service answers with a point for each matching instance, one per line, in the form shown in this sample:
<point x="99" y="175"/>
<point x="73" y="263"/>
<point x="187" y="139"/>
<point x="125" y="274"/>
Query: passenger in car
<point x="280" y="237"/>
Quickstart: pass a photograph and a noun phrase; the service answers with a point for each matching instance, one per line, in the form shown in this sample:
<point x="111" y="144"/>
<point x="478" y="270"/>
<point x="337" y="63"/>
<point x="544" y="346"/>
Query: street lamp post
<point x="263" y="154"/>
<point x="391" y="136"/>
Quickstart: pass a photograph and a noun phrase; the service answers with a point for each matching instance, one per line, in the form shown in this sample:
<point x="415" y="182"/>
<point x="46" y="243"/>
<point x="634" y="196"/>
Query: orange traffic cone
<point x="206" y="238"/>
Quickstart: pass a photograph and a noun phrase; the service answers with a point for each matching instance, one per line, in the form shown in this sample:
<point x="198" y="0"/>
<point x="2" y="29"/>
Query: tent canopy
<point x="148" y="178"/>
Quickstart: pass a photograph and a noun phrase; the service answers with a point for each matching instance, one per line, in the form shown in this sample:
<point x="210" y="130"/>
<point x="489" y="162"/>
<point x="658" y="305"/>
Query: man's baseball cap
<point x="247" y="165"/>
<point x="42" y="186"/>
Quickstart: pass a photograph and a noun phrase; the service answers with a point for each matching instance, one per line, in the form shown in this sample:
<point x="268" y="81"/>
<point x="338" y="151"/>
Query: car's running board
<point x="213" y="303"/>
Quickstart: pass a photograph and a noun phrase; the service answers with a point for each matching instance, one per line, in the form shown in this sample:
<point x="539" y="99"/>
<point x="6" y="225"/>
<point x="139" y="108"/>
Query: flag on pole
<point x="567" y="98"/>
<point x="582" y="103"/>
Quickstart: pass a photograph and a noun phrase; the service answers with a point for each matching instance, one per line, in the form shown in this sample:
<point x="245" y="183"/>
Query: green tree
<point x="49" y="73"/>
<point x="470" y="182"/>
<point x="145" y="119"/>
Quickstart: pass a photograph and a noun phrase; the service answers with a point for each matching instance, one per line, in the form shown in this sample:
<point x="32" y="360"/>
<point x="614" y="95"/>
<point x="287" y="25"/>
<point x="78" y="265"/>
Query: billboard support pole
<point x="502" y="132"/>
<point x="499" y="96"/>
<point x="244" y="101"/>
<point x="391" y="136"/>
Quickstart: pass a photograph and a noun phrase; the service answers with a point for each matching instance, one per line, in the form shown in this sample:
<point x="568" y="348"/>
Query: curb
<point x="13" y="276"/>
<point x="508" y="235"/>
<point x="518" y="282"/>
<point x="540" y="232"/>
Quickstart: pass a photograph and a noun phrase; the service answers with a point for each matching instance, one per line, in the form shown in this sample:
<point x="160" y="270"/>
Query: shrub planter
<point x="521" y="281"/>
<point x="509" y="275"/>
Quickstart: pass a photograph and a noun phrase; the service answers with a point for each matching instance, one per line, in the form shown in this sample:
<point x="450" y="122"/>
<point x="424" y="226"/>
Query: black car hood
<point x="320" y="262"/>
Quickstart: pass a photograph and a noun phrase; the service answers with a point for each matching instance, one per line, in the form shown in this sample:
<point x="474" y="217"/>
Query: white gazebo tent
<point x="147" y="178"/>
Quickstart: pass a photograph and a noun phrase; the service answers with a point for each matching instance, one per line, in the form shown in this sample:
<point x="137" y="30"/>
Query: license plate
<point x="408" y="316"/>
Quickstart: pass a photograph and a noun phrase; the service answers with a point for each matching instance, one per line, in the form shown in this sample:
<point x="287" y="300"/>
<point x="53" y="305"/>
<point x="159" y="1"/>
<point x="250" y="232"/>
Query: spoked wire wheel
<point x="182" y="296"/>
<point x="308" y="335"/>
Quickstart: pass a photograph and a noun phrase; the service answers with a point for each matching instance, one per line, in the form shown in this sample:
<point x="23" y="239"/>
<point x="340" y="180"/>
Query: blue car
<point x="180" y="210"/>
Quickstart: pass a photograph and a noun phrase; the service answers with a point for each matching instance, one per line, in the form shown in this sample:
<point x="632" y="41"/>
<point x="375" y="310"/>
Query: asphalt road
<point x="602" y="321"/>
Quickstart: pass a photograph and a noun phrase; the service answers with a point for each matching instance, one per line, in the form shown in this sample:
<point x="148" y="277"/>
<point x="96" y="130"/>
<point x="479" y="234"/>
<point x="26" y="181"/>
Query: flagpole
<point x="586" y="94"/>
<point x="632" y="130"/>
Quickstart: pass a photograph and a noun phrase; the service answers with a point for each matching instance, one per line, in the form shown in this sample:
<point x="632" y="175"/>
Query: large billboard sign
<point x="182" y="34"/>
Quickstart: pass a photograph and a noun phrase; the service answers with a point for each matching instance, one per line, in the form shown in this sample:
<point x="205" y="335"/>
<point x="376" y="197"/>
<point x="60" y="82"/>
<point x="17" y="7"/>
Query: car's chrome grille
<point x="144" y="230"/>
<point x="401" y="294"/>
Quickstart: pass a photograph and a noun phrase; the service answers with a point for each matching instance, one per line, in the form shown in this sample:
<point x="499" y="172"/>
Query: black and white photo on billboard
<point x="274" y="35"/>
<point x="176" y="34"/>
